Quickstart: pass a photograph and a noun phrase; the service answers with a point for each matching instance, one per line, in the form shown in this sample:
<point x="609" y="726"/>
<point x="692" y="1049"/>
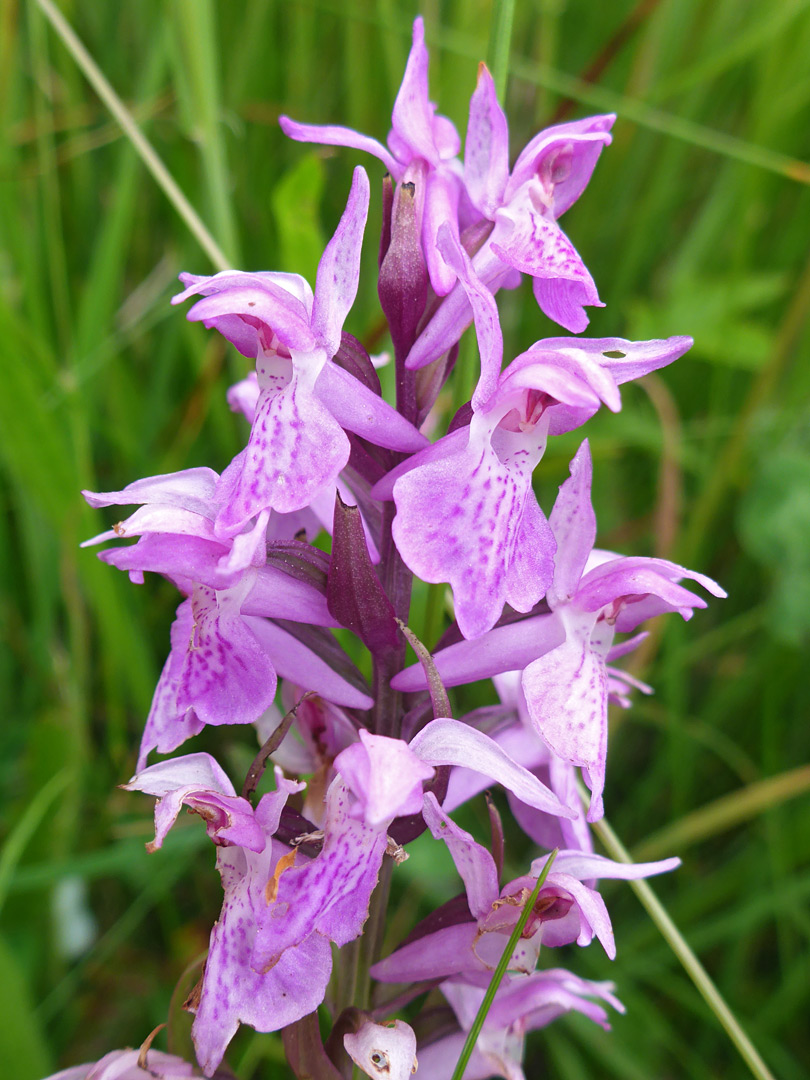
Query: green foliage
<point x="696" y="222"/>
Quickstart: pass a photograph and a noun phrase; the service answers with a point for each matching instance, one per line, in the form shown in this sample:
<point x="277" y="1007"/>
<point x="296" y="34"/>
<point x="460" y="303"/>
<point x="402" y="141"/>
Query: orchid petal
<point x="385" y="776"/>
<point x="536" y="245"/>
<point x="412" y="117"/>
<point x="329" y="895"/>
<point x="458" y="519"/>
<point x="573" y="523"/>
<point x="486" y="147"/>
<point x="473" y="862"/>
<point x="191" y="770"/>
<point x="262" y="303"/>
<point x="279" y="595"/>
<point x="296" y="447"/>
<point x="587" y="866"/>
<point x="563" y="157"/>
<point x="360" y="410"/>
<point x="441" y="211"/>
<point x="503" y="649"/>
<point x="339" y="268"/>
<point x="298" y="664"/>
<point x="233" y="991"/>
<point x="634" y="359"/>
<point x="445" y="447"/>
<point x="383" y="1052"/>
<point x="566" y="693"/>
<point x="334" y="135"/>
<point x="485" y="312"/>
<point x="446" y="952"/>
<point x="449" y="742"/>
<point x="594" y="918"/>
<point x="189" y="489"/>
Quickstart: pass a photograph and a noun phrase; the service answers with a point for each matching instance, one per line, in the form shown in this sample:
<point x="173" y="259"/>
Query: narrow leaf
<point x="500" y="971"/>
<point x="354" y="594"/>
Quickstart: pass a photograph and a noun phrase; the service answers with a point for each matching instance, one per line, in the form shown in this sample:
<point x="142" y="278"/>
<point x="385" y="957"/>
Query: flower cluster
<point x="361" y="771"/>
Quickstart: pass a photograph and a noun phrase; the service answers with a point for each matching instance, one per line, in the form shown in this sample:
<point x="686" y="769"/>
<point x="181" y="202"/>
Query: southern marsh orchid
<point x="565" y="911"/>
<point x="517" y="231"/>
<point x="296" y="569"/>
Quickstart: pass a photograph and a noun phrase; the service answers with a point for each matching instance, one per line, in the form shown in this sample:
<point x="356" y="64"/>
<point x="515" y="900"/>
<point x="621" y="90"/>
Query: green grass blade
<point x="143" y="147"/>
<point x="500" y="971"/>
<point x="25" y="828"/>
<point x="693" y="967"/>
<point x="198" y="39"/>
<point x="725" y="813"/>
<point x="503" y="15"/>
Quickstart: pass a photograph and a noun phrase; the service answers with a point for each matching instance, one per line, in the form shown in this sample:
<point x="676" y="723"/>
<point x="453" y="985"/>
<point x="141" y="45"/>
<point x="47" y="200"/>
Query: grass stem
<point x="143" y="147"/>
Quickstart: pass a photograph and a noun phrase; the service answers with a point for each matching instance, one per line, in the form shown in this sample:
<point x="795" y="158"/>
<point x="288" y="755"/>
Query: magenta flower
<point x="378" y="779"/>
<point x="518" y="232"/>
<point x="297" y="443"/>
<point x="466" y="510"/>
<point x="235" y="989"/>
<point x="520" y="1005"/>
<point x="566" y="910"/>
<point x="226" y="653"/>
<point x="422" y="148"/>
<point x="593" y="596"/>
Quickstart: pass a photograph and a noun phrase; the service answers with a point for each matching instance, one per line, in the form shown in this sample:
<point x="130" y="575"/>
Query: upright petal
<point x="563" y="158"/>
<point x="248" y="309"/>
<point x="573" y="523"/>
<point x="474" y="863"/>
<point x="339" y="268"/>
<point x="486" y="147"/>
<point x="412" y="118"/>
<point x="385" y="776"/>
<point x="485" y="313"/>
<point x="441" y="211"/>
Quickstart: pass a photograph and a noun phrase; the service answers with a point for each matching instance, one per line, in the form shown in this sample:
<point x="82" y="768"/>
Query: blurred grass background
<point x="697" y="221"/>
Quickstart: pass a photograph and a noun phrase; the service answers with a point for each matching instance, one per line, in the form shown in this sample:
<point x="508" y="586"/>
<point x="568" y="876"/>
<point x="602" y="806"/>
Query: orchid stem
<point x="500" y="971"/>
<point x="693" y="967"/>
